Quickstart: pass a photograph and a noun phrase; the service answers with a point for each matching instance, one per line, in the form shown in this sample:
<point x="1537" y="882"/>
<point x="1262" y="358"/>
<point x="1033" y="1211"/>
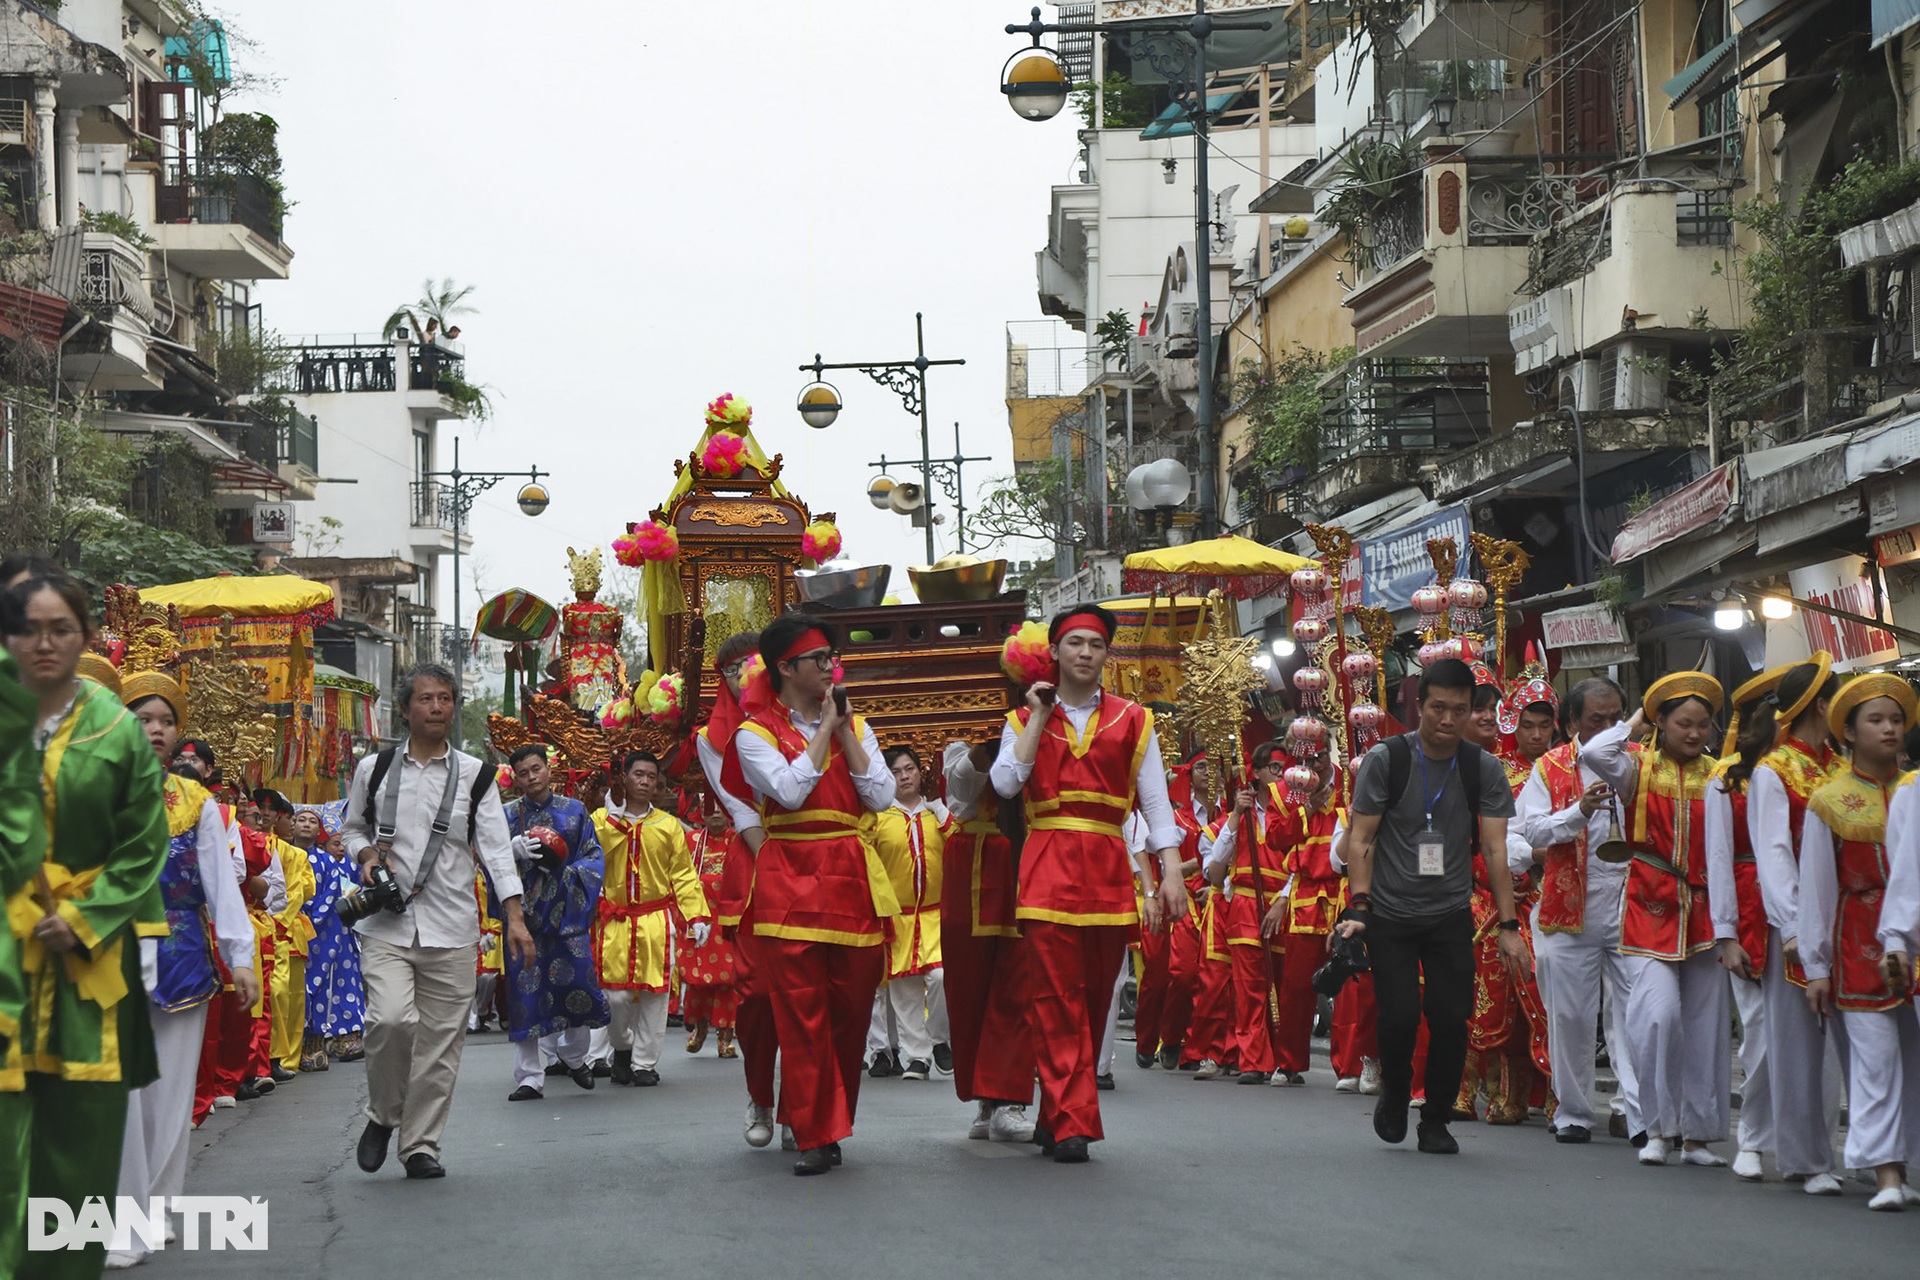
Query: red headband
<point x="1084" y="622"/>
<point x="809" y="640"/>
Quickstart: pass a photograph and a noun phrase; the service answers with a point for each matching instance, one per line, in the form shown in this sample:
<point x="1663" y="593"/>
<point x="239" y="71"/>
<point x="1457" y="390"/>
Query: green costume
<point x="84" y="1039"/>
<point x="23" y="845"/>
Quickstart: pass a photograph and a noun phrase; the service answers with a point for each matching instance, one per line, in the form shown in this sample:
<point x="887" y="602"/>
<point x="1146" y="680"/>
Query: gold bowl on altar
<point x="955" y="579"/>
<point x="840" y="586"/>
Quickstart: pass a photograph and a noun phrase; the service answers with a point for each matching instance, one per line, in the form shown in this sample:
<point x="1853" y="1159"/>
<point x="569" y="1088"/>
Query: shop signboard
<point x="1843" y="584"/>
<point x="1395" y="564"/>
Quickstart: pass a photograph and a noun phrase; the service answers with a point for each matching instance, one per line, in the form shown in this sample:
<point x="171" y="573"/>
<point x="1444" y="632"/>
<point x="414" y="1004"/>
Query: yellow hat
<point x="1824" y="662"/>
<point x="96" y="668"/>
<point x="154" y="684"/>
<point x="1880" y="684"/>
<point x="1683" y="684"/>
<point x="1752" y="691"/>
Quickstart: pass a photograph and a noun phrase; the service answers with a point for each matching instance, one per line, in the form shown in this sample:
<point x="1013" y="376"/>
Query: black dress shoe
<point x="646" y="1076"/>
<point x="601" y="1069"/>
<point x="943" y="1059"/>
<point x="281" y="1075"/>
<point x="525" y="1093"/>
<point x="583" y="1076"/>
<point x="812" y="1162"/>
<point x="1070" y="1151"/>
<point x="372" y="1151"/>
<point x="1435" y="1140"/>
<point x="1390" y="1119"/>
<point x="1043" y="1139"/>
<point x="1170" y="1057"/>
<point x="1573" y="1134"/>
<point x="422" y="1165"/>
<point x="1104" y="1081"/>
<point x="263" y="1084"/>
<point x="675" y="1020"/>
<point x="1616" y="1125"/>
<point x="833" y="1154"/>
<point x="557" y="1068"/>
<point x="245" y="1093"/>
<point x="1143" y="1060"/>
<point x="1638" y="1140"/>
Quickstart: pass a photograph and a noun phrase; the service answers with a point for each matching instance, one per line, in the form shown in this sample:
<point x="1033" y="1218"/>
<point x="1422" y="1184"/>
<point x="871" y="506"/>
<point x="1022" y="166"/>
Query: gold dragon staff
<point x="1502" y="563"/>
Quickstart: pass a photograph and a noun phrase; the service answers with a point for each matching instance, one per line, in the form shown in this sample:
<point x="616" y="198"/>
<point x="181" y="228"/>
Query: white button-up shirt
<point x="212" y="852"/>
<point x="1542" y="826"/>
<point x="445" y="914"/>
<point x="1900" y="904"/>
<point x="1770" y="824"/>
<point x="790" y="782"/>
<point x="1149" y="784"/>
<point x="741" y="813"/>
<point x="965" y="784"/>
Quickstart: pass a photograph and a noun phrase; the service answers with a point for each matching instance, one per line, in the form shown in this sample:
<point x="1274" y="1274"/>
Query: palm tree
<point x="438" y="303"/>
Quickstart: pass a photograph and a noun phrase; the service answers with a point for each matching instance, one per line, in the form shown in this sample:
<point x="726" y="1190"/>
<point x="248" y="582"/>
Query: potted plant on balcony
<point x="1472" y="80"/>
<point x="1372" y="178"/>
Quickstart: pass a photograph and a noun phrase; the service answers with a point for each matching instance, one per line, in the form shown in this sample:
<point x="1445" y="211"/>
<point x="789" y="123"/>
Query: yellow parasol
<point x="276" y="596"/>
<point x="1234" y="566"/>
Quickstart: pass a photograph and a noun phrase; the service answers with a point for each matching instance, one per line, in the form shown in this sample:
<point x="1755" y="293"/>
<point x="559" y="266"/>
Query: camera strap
<point x="385" y="824"/>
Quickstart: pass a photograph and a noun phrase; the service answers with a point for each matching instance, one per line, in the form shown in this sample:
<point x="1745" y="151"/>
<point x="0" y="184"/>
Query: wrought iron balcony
<point x="432" y="505"/>
<point x="217" y="196"/>
<point x="291" y="439"/>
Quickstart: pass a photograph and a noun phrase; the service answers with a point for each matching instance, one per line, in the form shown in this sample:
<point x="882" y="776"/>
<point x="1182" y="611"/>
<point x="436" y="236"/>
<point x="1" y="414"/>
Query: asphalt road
<point x="1195" y="1179"/>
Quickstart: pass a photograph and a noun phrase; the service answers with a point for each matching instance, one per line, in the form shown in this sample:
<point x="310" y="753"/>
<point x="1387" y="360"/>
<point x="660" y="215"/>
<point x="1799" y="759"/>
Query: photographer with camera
<point x="412" y="812"/>
<point x="1423" y="803"/>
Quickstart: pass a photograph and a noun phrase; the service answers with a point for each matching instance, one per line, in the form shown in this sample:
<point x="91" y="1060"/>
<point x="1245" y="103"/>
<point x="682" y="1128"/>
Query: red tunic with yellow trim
<point x="1074" y="867"/>
<point x="978" y="880"/>
<point x="1318" y="893"/>
<point x="1259" y="872"/>
<point x="711" y="965"/>
<point x="1663" y="913"/>
<point x="1563" y="874"/>
<point x="816" y="879"/>
<point x="1855" y="810"/>
<point x="911" y="846"/>
<point x="1801" y="770"/>
<point x="1506" y="1015"/>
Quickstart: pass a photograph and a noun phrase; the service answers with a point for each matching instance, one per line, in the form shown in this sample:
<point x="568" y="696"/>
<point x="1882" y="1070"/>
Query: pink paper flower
<point x="725" y="455"/>
<point x="654" y="541"/>
<point x="820" y="542"/>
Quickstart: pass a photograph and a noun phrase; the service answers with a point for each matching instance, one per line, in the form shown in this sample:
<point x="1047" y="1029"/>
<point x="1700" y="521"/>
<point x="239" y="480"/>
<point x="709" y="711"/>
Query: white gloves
<point x="526" y="848"/>
<point x="701" y="931"/>
<point x="150" y="963"/>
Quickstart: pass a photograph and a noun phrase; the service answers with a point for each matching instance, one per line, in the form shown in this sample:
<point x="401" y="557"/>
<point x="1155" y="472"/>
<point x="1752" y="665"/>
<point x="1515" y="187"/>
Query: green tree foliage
<point x="442" y="301"/>
<point x="1036" y="503"/>
<point x="1282" y="405"/>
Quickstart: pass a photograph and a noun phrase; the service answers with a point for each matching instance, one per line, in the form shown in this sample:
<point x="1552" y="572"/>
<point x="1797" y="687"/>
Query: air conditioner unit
<point x="1181" y="341"/>
<point x="1581" y="387"/>
<point x="1638" y="371"/>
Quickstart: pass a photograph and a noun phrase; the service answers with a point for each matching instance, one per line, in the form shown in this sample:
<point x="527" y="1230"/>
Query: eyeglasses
<point x="63" y="634"/>
<point x="1271" y="764"/>
<point x="822" y="659"/>
<point x="733" y="669"/>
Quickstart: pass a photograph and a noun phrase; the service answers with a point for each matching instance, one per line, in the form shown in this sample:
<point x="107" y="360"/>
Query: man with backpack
<point x="412" y="812"/>
<point x="1423" y="804"/>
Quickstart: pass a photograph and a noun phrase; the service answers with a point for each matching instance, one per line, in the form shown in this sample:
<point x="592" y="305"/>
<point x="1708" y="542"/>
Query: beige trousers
<point x="418" y="999"/>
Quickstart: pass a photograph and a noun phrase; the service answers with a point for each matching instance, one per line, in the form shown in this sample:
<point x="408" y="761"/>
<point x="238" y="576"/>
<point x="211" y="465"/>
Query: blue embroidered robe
<point x="562" y="988"/>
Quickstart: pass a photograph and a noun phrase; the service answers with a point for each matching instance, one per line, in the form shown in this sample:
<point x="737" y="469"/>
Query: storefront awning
<point x="1763" y="24"/>
<point x="1891" y="17"/>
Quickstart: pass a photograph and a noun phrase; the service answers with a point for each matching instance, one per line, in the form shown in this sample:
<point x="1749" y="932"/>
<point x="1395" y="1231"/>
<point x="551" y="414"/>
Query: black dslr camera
<point x="1349" y="956"/>
<point x="382" y="895"/>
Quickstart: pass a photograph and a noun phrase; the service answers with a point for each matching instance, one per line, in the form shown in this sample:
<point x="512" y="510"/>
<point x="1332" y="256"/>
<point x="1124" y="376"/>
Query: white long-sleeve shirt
<point x="790" y="782"/>
<point x="1818" y="899"/>
<point x="965" y="784"/>
<point x="1723" y="898"/>
<point x="1770" y="825"/>
<point x="1544" y="826"/>
<point x="1900" y="904"/>
<point x="276" y="877"/>
<point x="1149" y="783"/>
<point x="743" y="815"/>
<point x="213" y="852"/>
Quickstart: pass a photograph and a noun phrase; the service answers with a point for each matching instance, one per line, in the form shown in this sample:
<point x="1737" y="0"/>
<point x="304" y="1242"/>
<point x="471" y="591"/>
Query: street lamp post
<point x="905" y="378"/>
<point x="950" y="473"/>
<point x="1038" y="93"/>
<point x="461" y="492"/>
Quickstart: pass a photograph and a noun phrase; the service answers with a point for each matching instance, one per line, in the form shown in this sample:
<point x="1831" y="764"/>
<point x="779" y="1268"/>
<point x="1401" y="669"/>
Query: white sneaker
<point x="1747" y="1167"/>
<point x="1823" y="1184"/>
<point x="759" y="1125"/>
<point x="1287" y="1079"/>
<point x="1207" y="1070"/>
<point x="1370" y="1076"/>
<point x="1347" y="1084"/>
<point x="1010" y="1124"/>
<point x="1892" y="1200"/>
<point x="1703" y="1158"/>
<point x="223" y="1102"/>
<point x="1655" y="1152"/>
<point x="982" y="1126"/>
<point x="121" y="1261"/>
<point x="786" y="1138"/>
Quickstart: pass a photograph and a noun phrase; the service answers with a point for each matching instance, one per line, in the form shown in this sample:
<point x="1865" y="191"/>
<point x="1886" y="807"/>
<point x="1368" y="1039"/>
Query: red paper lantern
<point x="1308" y="632"/>
<point x="1465" y="593"/>
<point x="1359" y="666"/>
<point x="1366" y="716"/>
<point x="1429" y="600"/>
<point x="1309" y="584"/>
<point x="1307" y="734"/>
<point x="1311" y="681"/>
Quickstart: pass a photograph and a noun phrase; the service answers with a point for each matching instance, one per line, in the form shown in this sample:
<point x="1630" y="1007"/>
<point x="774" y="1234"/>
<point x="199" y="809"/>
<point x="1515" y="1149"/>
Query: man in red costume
<point x="1084" y="760"/>
<point x="1248" y="866"/>
<point x="1170" y="961"/>
<point x="820" y="896"/>
<point x="1303" y="915"/>
<point x="753" y="1013"/>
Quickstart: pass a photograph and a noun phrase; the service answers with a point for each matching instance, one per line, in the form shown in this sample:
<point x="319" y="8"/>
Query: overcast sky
<point x="658" y="203"/>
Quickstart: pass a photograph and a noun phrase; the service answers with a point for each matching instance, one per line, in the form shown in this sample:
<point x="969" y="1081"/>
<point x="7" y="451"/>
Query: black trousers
<point x="1402" y="952"/>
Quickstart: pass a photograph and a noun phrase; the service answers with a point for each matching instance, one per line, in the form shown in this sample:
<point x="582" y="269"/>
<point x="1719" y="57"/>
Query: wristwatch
<point x="1510" y="926"/>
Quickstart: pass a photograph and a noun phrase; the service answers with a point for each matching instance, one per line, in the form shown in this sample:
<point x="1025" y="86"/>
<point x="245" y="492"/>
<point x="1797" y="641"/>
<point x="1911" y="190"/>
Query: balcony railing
<point x="1509" y="201"/>
<point x="272" y="443"/>
<point x="1402" y="406"/>
<point x="432" y="505"/>
<point x="362" y="366"/>
<point x="437" y="642"/>
<point x="110" y="277"/>
<point x="217" y="196"/>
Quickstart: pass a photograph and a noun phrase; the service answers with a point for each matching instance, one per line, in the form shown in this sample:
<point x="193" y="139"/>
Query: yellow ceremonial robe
<point x="649" y="869"/>
<point x="911" y="847"/>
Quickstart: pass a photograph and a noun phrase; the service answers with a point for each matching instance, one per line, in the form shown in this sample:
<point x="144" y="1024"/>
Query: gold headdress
<point x="1752" y="691"/>
<point x="584" y="569"/>
<point x="1824" y="662"/>
<point x="1683" y="684"/>
<point x="151" y="633"/>
<point x="98" y="668"/>
<point x="1880" y="684"/>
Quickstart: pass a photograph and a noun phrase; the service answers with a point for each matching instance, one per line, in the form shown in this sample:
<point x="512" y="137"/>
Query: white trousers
<point x="639" y="1023"/>
<point x="1105" y="1065"/>
<point x="1677" y="1035"/>
<point x="570" y="1046"/>
<point x="483" y="985"/>
<point x="1806" y="1064"/>
<point x="1574" y="969"/>
<point x="910" y="1013"/>
<point x="153" y="1152"/>
<point x="1756" y="1094"/>
<point x="1883" y="1087"/>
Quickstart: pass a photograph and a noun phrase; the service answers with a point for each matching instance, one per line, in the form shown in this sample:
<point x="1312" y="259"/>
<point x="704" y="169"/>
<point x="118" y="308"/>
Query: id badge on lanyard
<point x="1430" y="846"/>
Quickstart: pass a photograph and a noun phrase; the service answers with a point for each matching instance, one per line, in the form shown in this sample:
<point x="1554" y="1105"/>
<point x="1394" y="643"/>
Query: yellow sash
<point x="97" y="977"/>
